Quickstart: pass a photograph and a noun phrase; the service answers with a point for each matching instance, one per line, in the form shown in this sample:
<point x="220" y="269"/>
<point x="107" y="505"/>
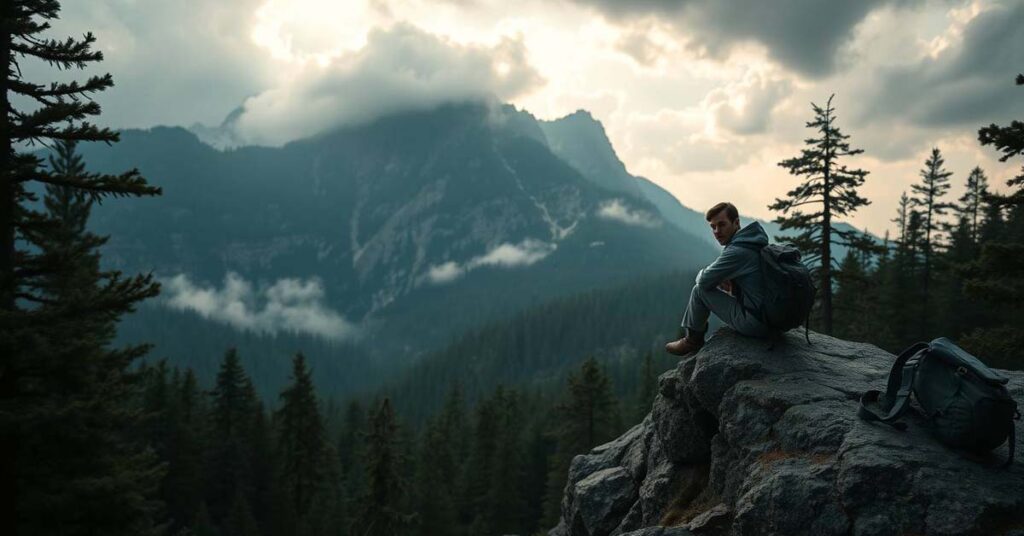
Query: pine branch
<point x="98" y="185"/>
<point x="35" y="124"/>
<point x="62" y="54"/>
<point x="35" y="299"/>
<point x="71" y="89"/>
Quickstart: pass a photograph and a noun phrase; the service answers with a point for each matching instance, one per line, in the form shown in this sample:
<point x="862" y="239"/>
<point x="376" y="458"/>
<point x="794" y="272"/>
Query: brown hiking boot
<point x="683" y="346"/>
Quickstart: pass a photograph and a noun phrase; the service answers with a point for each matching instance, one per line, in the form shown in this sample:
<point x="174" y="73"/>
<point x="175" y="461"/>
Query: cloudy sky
<point x="703" y="97"/>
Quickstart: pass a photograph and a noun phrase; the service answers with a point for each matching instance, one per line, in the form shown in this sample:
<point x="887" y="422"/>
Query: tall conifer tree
<point x="585" y="420"/>
<point x="934" y="185"/>
<point x="996" y="276"/>
<point x="67" y="457"/>
<point x="902" y="217"/>
<point x="307" y="462"/>
<point x="972" y="203"/>
<point x="382" y="506"/>
<point x="230" y="453"/>
<point x="648" y="388"/>
<point x="831" y="188"/>
<point x="505" y="506"/>
<point x="435" y="493"/>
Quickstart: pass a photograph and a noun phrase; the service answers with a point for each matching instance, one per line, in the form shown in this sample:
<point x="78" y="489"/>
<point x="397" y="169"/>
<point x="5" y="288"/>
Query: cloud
<point x="746" y="107"/>
<point x="445" y="273"/>
<point x="639" y="43"/>
<point x="968" y="80"/>
<point x="400" y="68"/>
<point x="289" y="305"/>
<point x="505" y="255"/>
<point x="617" y="210"/>
<point x="805" y="35"/>
<point x="172" y="63"/>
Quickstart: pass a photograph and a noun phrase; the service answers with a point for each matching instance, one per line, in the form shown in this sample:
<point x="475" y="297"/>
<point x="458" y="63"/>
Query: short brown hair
<point x="729" y="208"/>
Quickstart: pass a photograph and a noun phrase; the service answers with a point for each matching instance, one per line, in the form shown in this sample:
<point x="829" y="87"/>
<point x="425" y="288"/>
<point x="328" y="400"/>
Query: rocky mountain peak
<point x="746" y="440"/>
<point x="581" y="140"/>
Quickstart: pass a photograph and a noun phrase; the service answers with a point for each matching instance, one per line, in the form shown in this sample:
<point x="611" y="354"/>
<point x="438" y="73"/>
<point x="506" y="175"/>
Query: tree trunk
<point x="826" y="231"/>
<point x="8" y="380"/>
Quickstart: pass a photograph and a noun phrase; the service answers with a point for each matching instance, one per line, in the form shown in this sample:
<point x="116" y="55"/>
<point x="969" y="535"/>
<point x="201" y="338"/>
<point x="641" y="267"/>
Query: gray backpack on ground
<point x="964" y="401"/>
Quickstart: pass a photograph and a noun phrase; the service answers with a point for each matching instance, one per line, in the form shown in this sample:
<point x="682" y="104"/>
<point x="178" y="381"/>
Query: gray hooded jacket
<point x="741" y="265"/>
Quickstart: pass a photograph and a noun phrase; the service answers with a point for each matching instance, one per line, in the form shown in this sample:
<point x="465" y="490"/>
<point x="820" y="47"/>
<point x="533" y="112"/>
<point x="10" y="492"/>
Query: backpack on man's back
<point x="788" y="289"/>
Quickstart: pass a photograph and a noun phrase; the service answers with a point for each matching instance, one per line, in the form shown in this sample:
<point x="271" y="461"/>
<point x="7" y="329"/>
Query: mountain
<point x="580" y="140"/>
<point x="417" y="226"/>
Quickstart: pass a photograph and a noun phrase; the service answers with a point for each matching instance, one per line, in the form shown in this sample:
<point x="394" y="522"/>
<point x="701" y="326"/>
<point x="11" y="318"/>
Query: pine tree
<point x="993" y="226"/>
<point x="934" y="185"/>
<point x="902" y="217"/>
<point x="307" y="462"/>
<point x="262" y="469"/>
<point x="441" y="475"/>
<point x="909" y="291"/>
<point x="435" y="494"/>
<point x="505" y="505"/>
<point x="997" y="274"/>
<point x="173" y="426"/>
<point x="382" y="509"/>
<point x="832" y="188"/>
<point x="853" y="300"/>
<point x="884" y="276"/>
<point x="70" y="460"/>
<point x="230" y="454"/>
<point x="648" y="388"/>
<point x="539" y="448"/>
<point x="585" y="420"/>
<point x="351" y="453"/>
<point x="972" y="203"/>
<point x="480" y="466"/>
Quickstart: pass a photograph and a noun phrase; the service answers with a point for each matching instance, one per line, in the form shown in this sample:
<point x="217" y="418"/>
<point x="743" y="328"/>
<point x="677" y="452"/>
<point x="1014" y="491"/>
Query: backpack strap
<point x="759" y="315"/>
<point x="897" y="394"/>
<point x="1013" y="442"/>
<point x="807" y="327"/>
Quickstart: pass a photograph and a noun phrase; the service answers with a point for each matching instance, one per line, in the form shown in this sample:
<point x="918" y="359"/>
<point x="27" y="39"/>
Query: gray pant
<point x="725" y="306"/>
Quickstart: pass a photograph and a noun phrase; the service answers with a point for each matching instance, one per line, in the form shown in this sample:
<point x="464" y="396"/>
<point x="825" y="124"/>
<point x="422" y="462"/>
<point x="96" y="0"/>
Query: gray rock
<point x="711" y="521"/>
<point x="746" y="440"/>
<point x="660" y="531"/>
<point x="634" y="520"/>
<point x="601" y="500"/>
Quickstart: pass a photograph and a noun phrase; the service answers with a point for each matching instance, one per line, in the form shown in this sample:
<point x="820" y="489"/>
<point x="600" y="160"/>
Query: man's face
<point x="722" y="228"/>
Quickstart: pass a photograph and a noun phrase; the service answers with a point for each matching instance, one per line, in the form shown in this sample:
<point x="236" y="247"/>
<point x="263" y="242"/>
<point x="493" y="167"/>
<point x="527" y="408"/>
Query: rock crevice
<point x="744" y="440"/>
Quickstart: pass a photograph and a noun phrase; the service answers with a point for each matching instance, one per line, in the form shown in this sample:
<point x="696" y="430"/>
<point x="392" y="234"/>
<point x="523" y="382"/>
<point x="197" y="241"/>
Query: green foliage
<point x="929" y="193"/>
<point x="587" y="417"/>
<point x="230" y="455"/>
<point x="853" y="305"/>
<point x="382" y="506"/>
<point x="997" y="276"/>
<point x="831" y="189"/>
<point x="68" y="401"/>
<point x="307" y="463"/>
<point x="542" y="344"/>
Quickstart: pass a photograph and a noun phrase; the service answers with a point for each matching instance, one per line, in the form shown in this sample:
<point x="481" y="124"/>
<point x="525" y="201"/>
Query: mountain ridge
<point x="460" y="213"/>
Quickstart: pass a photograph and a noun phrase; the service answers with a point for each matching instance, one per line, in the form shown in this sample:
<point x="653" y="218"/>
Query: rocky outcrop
<point x="743" y="439"/>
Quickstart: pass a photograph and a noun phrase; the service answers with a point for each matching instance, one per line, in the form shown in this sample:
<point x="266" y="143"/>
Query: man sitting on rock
<point x="731" y="286"/>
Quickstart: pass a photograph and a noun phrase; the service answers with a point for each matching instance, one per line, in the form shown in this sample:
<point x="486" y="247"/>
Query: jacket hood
<point x="753" y="234"/>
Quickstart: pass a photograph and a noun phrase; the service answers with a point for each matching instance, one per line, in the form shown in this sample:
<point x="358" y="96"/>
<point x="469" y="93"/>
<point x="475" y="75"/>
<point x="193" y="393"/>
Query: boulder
<point x="746" y="439"/>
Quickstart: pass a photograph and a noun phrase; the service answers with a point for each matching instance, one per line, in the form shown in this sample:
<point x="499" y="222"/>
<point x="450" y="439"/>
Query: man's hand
<point x="726" y="286"/>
